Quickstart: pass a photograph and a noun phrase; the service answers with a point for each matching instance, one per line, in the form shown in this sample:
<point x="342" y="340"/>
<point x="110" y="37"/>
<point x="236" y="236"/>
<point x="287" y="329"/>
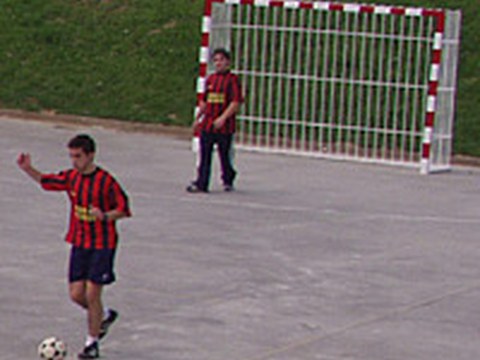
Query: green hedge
<point x="121" y="59"/>
<point x="137" y="59"/>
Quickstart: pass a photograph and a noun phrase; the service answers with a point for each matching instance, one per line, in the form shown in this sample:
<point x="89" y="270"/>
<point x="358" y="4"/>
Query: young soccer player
<point x="216" y="122"/>
<point x="97" y="202"/>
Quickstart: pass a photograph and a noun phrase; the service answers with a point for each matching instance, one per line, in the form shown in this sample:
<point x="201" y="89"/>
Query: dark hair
<point x="223" y="52"/>
<point x="84" y="142"/>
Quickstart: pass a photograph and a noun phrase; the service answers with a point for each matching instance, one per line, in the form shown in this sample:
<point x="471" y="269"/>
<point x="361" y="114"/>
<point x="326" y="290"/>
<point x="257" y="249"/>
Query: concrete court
<point x="309" y="259"/>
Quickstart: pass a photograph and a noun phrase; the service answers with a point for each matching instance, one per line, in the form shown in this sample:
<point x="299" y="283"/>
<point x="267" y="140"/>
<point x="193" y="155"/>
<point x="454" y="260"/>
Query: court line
<point x="295" y="345"/>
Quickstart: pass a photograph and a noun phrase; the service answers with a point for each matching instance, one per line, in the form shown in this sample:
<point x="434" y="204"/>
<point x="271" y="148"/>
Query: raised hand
<point x="24" y="161"/>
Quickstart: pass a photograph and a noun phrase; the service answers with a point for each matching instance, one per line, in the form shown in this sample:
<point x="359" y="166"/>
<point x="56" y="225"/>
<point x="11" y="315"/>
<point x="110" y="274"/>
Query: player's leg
<point x="207" y="141"/>
<point x="100" y="273"/>
<point x="95" y="308"/>
<point x="77" y="291"/>
<point x="77" y="275"/>
<point x="94" y="320"/>
<point x="232" y="151"/>
<point x="224" y="152"/>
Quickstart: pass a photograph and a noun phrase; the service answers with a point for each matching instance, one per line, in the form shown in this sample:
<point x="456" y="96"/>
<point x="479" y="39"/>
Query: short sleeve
<point x="56" y="182"/>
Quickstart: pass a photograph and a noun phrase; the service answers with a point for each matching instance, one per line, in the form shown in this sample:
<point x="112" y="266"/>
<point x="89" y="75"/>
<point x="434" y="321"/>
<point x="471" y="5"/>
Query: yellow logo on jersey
<point x="82" y="213"/>
<point x="216" y="98"/>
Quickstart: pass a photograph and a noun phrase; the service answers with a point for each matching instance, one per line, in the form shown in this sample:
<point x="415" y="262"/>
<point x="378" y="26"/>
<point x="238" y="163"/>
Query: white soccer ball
<point x="52" y="349"/>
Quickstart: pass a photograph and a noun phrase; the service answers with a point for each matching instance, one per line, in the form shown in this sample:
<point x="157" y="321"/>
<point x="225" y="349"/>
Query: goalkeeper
<point x="216" y="122"/>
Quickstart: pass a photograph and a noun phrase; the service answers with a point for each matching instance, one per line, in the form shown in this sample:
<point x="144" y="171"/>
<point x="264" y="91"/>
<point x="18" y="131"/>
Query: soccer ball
<point x="52" y="349"/>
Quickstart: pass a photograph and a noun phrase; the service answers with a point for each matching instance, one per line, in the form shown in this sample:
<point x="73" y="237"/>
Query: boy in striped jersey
<point x="216" y="122"/>
<point x="97" y="202"/>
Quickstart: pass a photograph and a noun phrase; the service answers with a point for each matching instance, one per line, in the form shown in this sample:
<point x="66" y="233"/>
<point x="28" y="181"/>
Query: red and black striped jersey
<point x="98" y="189"/>
<point x="220" y="90"/>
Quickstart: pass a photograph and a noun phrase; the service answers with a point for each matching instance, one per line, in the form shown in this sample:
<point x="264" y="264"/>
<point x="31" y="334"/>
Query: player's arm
<point x="120" y="205"/>
<point x="50" y="182"/>
<point x="231" y="109"/>
<point x="202" y="106"/>
<point x="24" y="161"/>
<point x="108" y="215"/>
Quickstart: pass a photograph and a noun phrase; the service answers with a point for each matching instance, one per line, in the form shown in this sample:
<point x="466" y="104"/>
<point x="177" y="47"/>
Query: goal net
<point x="343" y="81"/>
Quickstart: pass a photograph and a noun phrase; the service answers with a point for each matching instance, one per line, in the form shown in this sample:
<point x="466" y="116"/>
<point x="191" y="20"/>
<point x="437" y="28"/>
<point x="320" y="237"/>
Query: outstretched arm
<point x="25" y="163"/>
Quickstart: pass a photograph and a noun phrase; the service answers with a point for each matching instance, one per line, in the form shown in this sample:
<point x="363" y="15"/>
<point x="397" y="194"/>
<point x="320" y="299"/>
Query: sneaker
<point x="106" y="323"/>
<point x="90" y="352"/>
<point x="228" y="188"/>
<point x="193" y="188"/>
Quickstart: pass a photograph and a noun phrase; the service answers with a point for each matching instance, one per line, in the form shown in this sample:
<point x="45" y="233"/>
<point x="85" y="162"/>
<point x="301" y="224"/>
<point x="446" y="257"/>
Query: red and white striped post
<point x="432" y="88"/>
<point x="202" y="73"/>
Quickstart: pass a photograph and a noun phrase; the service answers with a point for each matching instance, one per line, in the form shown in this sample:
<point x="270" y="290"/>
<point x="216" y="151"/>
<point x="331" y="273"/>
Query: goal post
<point x="369" y="83"/>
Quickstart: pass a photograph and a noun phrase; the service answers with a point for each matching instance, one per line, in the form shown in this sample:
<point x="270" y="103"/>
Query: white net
<point x="339" y="83"/>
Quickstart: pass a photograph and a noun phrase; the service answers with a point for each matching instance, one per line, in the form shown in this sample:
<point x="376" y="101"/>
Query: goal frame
<point x="435" y="136"/>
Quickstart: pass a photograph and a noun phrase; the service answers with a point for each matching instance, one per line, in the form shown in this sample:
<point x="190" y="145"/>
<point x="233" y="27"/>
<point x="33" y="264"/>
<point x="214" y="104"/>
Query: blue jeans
<point x="224" y="144"/>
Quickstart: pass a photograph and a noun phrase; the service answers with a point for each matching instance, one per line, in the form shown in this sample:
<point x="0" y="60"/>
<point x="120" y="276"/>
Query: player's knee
<point x="93" y="294"/>
<point x="92" y="300"/>
<point x="78" y="296"/>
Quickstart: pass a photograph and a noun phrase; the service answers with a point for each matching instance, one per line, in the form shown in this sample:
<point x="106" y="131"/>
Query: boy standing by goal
<point x="97" y="202"/>
<point x="215" y="122"/>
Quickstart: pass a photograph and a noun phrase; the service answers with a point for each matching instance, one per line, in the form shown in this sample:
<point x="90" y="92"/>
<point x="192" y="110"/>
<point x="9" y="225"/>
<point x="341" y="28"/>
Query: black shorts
<point x="92" y="264"/>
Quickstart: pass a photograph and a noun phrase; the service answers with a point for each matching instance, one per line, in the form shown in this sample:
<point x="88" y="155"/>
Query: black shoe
<point x="106" y="323"/>
<point x="90" y="352"/>
<point x="228" y="188"/>
<point x="193" y="188"/>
